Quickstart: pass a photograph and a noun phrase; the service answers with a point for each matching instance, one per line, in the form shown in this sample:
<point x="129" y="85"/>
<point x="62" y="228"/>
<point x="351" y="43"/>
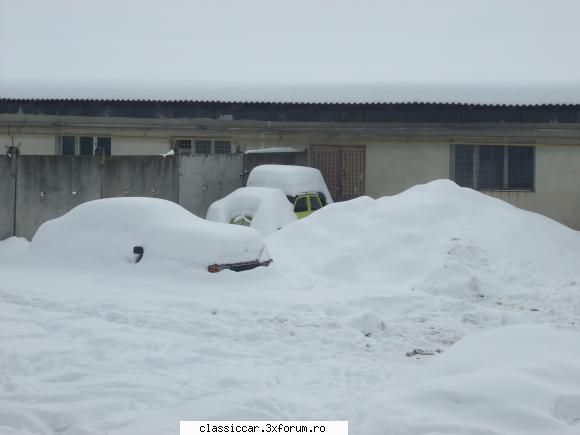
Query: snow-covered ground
<point x="436" y="311"/>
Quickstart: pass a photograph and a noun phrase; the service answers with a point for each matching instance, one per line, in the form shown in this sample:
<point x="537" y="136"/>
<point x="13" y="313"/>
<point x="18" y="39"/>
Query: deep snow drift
<point x="428" y="229"/>
<point x="436" y="311"/>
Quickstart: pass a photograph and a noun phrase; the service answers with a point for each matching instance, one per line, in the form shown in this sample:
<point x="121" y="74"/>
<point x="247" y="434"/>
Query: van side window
<point x="314" y="203"/>
<point x="301" y="204"/>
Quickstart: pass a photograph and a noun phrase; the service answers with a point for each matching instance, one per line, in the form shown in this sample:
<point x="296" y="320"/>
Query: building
<point x="379" y="98"/>
<point x="527" y="155"/>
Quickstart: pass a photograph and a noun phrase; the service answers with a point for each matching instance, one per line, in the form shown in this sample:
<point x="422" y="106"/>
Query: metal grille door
<point x="343" y="169"/>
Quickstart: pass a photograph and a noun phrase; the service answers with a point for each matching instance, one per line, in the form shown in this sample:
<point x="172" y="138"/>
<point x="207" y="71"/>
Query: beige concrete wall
<point x="45" y="144"/>
<point x="123" y="146"/>
<point x="392" y="168"/>
<point x="557" y="192"/>
<point x="39" y="144"/>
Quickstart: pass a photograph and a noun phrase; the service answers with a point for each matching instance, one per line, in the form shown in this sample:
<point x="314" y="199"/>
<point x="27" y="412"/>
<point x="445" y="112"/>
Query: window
<point x="301" y="204"/>
<point x="182" y="146"/>
<point x="86" y="146"/>
<point x="202" y="146"/>
<point x="83" y="145"/>
<point x="104" y="145"/>
<point x="67" y="145"/>
<point x="187" y="146"/>
<point x="314" y="203"/>
<point x="222" y="147"/>
<point x="494" y="167"/>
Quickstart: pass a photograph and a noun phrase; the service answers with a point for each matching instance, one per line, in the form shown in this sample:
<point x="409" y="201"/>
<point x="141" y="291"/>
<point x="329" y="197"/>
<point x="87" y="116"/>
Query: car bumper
<point x="238" y="267"/>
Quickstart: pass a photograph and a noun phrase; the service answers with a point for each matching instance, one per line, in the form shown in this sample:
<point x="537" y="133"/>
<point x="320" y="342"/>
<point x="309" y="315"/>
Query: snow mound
<point x="518" y="380"/>
<point x="268" y="208"/>
<point x="13" y="248"/>
<point x="290" y="179"/>
<point x="436" y="230"/>
<point x="104" y="232"/>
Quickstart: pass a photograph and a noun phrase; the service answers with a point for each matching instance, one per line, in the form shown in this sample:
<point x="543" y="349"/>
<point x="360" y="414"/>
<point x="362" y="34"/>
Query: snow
<point x="269" y="208"/>
<point x="484" y="297"/>
<point x="102" y="233"/>
<point x="13" y="248"/>
<point x="518" y="380"/>
<point x="290" y="179"/>
<point x="492" y="52"/>
<point x="274" y="150"/>
<point x="424" y="232"/>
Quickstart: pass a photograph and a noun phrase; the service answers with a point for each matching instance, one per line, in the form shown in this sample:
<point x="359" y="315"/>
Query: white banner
<point x="260" y="427"/>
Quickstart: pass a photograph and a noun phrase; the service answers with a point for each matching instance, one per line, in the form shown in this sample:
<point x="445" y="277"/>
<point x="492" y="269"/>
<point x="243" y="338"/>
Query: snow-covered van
<point x="304" y="186"/>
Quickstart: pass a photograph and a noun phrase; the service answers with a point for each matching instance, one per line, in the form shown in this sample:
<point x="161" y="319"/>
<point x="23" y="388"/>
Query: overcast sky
<point x="339" y="50"/>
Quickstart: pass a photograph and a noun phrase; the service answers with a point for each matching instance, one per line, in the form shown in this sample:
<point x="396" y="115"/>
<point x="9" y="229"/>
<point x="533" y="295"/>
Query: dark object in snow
<point x="138" y="251"/>
<point x="534" y="309"/>
<point x="237" y="267"/>
<point x="422" y="352"/>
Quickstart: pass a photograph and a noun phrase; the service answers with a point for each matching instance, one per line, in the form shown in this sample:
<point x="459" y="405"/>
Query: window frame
<point x="175" y="144"/>
<point x="476" y="167"/>
<point x="77" y="144"/>
<point x="194" y="140"/>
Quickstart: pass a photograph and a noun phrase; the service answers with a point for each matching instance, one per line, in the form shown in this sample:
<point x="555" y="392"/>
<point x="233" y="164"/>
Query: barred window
<point x="182" y="146"/>
<point x="202" y="146"/>
<point x="222" y="147"/>
<point x="494" y="167"/>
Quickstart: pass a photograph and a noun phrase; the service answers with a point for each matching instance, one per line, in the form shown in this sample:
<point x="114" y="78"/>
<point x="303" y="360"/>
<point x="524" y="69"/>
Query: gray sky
<point x="335" y="50"/>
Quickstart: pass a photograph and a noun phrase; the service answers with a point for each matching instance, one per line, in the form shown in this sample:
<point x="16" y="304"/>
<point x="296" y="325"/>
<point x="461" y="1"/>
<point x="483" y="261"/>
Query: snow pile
<point x="436" y="230"/>
<point x="105" y="231"/>
<point x="13" y="248"/>
<point x="268" y="208"/>
<point x="382" y="312"/>
<point x="290" y="179"/>
<point x="520" y="380"/>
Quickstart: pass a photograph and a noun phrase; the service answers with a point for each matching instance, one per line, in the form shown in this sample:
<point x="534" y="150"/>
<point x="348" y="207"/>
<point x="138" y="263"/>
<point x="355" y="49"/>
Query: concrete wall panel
<point x="155" y="177"/>
<point x="49" y="186"/>
<point x="6" y="197"/>
<point x="205" y="179"/>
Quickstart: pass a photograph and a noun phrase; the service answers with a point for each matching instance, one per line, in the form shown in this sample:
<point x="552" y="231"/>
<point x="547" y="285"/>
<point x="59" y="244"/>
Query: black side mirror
<point x="138" y="251"/>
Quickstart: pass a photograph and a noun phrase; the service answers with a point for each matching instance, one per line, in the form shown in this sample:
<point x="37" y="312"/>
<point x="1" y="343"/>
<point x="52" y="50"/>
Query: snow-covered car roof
<point x="269" y="208"/>
<point x="106" y="230"/>
<point x="290" y="179"/>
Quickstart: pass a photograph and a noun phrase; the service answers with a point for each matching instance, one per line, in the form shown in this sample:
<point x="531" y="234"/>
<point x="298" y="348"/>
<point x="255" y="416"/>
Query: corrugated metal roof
<point x="221" y="102"/>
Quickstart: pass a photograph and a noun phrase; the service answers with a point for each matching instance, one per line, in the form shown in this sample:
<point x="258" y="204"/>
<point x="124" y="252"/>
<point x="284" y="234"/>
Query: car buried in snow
<point x="263" y="208"/>
<point x="149" y="232"/>
<point x="303" y="186"/>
